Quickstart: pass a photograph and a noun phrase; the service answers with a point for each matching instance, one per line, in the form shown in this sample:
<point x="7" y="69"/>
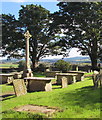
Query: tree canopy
<point x="11" y="36"/>
<point x="81" y="24"/>
<point x="76" y="24"/>
<point x="35" y="19"/>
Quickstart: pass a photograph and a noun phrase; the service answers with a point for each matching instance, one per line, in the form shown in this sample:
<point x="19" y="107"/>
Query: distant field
<point x="8" y="65"/>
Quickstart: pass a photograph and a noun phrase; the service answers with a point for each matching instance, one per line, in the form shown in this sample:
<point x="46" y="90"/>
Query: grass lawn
<point x="78" y="100"/>
<point x="89" y="73"/>
<point x="37" y="74"/>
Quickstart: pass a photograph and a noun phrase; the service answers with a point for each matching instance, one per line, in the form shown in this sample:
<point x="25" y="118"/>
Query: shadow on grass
<point x="89" y="78"/>
<point x="56" y="86"/>
<point x="82" y="97"/>
<point x="6" y="97"/>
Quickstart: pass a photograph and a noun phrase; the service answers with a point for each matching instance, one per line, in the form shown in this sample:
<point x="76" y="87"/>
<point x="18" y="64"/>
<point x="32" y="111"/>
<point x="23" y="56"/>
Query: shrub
<point x="63" y="65"/>
<point x="41" y="67"/>
<point x="21" y="65"/>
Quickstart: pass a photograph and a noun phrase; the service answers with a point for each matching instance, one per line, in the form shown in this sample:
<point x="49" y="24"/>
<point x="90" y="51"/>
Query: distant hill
<point x="10" y="61"/>
<point x="72" y="60"/>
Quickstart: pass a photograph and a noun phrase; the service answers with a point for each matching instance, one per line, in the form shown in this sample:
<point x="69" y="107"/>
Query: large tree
<point x="11" y="36"/>
<point x="81" y="23"/>
<point x="35" y="19"/>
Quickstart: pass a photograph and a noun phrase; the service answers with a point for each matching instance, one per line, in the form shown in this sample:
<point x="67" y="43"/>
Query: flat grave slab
<point x="80" y="75"/>
<point x="38" y="84"/>
<point x="51" y="73"/>
<point x="38" y="109"/>
<point x="6" y="78"/>
<point x="71" y="78"/>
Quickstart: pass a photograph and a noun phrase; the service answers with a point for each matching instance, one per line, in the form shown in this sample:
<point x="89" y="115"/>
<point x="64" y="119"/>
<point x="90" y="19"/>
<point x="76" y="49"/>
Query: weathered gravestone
<point x="19" y="87"/>
<point x="64" y="82"/>
<point x="101" y="77"/>
<point x="97" y="79"/>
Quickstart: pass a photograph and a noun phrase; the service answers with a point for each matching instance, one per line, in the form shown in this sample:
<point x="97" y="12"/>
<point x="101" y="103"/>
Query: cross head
<point x="27" y="35"/>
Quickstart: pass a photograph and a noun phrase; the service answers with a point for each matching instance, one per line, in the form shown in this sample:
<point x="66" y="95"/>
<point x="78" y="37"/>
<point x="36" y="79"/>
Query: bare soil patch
<point x="38" y="109"/>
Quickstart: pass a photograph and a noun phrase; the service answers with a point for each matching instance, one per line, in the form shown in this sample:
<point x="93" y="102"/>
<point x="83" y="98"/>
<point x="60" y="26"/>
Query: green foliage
<point x="11" y="36"/>
<point x="100" y="51"/>
<point x="81" y="25"/>
<point x="63" y="65"/>
<point x="21" y="65"/>
<point x="35" y="19"/>
<point x="41" y="67"/>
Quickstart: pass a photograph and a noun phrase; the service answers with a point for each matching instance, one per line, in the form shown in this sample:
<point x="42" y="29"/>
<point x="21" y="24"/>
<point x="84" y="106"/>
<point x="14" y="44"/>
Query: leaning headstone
<point x="100" y="77"/>
<point x="77" y="68"/>
<point x="97" y="79"/>
<point x="64" y="82"/>
<point x="19" y="87"/>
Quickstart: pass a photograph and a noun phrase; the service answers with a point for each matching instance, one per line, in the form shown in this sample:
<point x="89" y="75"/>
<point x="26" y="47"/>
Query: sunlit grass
<point x="6" y="88"/>
<point x="88" y="73"/>
<point x="78" y="100"/>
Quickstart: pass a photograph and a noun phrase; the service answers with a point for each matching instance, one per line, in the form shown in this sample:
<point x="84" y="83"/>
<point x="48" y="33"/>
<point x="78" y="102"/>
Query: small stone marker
<point x="64" y="82"/>
<point x="19" y="87"/>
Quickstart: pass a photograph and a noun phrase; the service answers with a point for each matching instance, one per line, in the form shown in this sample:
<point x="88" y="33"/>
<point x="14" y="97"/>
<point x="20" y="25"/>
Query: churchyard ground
<point x="78" y="100"/>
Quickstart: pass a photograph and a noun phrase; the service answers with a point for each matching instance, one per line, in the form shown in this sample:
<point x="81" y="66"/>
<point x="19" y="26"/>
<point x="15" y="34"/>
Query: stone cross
<point x="27" y="36"/>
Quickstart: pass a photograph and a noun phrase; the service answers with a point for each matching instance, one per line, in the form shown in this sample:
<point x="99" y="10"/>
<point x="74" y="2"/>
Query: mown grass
<point x="88" y="73"/>
<point x="6" y="88"/>
<point x="78" y="100"/>
<point x="39" y="74"/>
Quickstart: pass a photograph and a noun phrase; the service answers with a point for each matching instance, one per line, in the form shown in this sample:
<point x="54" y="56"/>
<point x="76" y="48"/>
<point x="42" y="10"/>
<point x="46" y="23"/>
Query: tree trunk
<point x="94" y="62"/>
<point x="34" y="64"/>
<point x="93" y="55"/>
